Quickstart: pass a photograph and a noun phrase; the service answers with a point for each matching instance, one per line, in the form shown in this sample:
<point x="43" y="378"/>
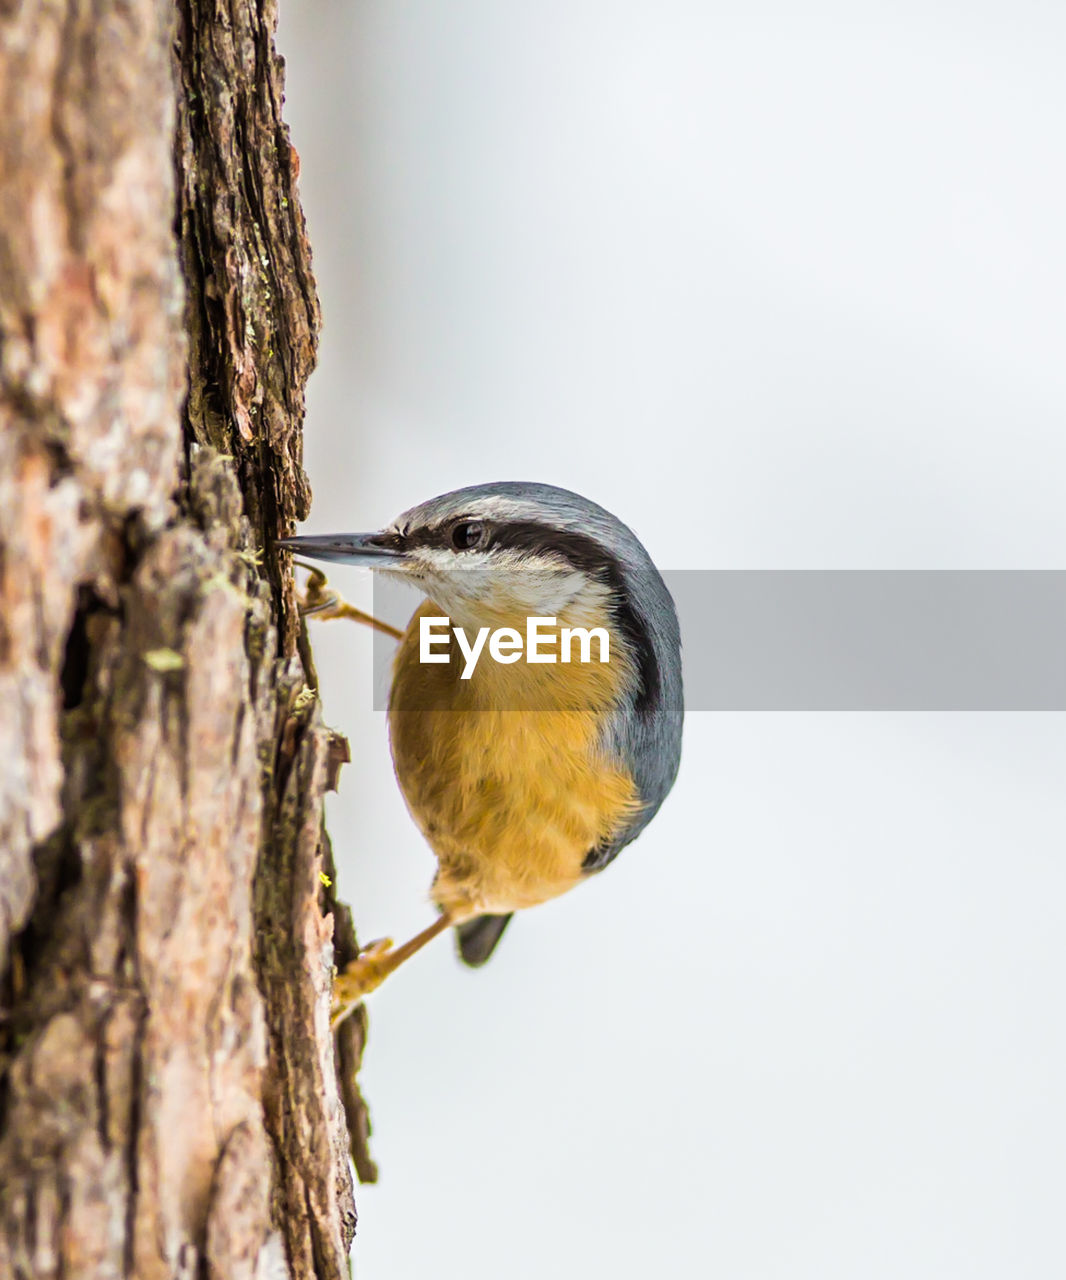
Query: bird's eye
<point x="467" y="534"/>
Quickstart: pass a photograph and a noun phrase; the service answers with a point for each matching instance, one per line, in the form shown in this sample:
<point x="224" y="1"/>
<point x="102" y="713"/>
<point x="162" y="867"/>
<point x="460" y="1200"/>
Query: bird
<point x="526" y="777"/>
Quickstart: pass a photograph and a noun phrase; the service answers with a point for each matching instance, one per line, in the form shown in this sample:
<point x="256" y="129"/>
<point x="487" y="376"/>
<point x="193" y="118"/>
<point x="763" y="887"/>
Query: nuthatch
<point x="525" y="777"/>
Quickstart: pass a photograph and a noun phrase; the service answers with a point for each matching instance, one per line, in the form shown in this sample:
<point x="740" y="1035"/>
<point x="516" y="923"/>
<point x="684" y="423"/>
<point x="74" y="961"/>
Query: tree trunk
<point x="169" y="1103"/>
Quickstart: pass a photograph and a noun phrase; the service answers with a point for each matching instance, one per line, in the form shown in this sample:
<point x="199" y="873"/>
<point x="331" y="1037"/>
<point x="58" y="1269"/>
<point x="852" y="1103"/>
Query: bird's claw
<point x="363" y="975"/>
<point x="318" y="596"/>
<point x="321" y="602"/>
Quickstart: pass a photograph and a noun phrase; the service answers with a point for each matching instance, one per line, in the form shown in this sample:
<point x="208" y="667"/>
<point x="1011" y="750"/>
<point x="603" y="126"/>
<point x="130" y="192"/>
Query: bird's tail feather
<point x="478" y="937"/>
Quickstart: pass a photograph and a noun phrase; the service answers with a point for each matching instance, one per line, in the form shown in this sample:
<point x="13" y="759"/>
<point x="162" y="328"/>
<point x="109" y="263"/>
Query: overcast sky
<point x="784" y="289"/>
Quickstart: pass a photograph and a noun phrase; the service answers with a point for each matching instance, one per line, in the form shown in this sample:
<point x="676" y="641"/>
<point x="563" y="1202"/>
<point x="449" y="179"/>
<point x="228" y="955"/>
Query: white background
<point x="783" y="288"/>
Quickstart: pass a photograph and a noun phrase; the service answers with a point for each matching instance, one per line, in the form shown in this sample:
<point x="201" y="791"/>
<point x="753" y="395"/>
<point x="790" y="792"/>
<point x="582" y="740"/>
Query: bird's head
<point x="495" y="554"/>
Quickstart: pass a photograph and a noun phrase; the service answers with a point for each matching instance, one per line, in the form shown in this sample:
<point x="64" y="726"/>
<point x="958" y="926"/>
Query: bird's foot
<point x="317" y="597"/>
<point x="320" y="601"/>
<point x="364" y="974"/>
<point x="373" y="965"/>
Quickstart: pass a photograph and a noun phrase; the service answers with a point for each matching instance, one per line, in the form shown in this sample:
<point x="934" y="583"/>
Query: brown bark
<point x="168" y="1098"/>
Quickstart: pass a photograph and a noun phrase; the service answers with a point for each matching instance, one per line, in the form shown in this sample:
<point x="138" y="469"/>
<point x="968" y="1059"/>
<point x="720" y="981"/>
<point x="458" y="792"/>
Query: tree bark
<point x="169" y="1104"/>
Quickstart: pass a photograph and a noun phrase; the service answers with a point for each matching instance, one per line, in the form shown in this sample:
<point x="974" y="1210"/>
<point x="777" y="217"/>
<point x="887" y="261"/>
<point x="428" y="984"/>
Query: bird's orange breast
<point x="502" y="772"/>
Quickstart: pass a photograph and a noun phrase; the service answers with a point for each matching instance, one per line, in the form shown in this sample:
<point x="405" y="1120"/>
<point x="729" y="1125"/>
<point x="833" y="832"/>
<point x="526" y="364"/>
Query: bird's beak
<point x="364" y="550"/>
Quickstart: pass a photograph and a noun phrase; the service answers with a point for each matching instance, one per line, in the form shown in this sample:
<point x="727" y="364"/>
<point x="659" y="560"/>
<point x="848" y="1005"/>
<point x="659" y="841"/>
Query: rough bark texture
<point x="169" y="1103"/>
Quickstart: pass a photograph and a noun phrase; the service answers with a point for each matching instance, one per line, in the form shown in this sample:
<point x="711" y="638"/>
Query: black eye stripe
<point x="577" y="549"/>
<point x="416" y="538"/>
